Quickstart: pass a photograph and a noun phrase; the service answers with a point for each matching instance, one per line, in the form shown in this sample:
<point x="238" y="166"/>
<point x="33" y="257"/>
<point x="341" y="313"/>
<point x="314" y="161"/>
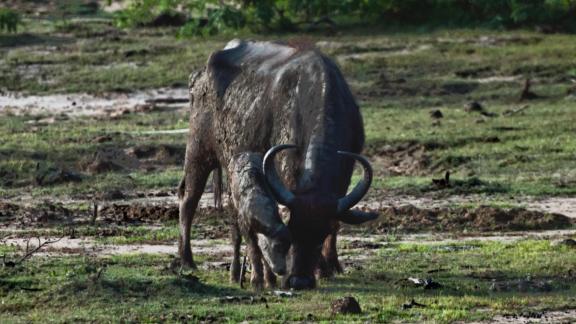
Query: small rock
<point x="436" y="114"/>
<point x="566" y="242"/>
<point x="112" y="195"/>
<point x="282" y="293"/>
<point x="488" y="114"/>
<point x="426" y="283"/>
<point x="346" y="305"/>
<point x="102" y="139"/>
<point x="474" y="106"/>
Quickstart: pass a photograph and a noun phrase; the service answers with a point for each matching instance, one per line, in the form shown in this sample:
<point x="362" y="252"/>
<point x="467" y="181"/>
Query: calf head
<point x="257" y="210"/>
<point x="314" y="215"/>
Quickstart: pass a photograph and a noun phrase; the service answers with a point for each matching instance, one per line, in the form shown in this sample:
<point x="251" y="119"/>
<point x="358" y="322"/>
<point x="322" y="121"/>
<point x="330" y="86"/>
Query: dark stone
<point x="346" y="305"/>
<point x="474" y="106"/>
<point x="436" y="114"/>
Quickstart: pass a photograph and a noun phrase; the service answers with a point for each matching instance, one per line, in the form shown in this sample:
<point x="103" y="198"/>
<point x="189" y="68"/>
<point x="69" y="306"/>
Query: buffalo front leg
<point x="191" y="192"/>
<point x="329" y="264"/>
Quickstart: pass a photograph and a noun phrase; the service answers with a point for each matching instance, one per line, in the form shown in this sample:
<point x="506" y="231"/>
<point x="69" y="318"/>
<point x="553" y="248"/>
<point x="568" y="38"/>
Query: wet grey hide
<point x="254" y="97"/>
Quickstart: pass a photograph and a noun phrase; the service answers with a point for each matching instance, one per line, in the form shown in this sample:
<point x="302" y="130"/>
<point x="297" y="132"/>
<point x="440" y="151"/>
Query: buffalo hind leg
<point x="190" y="193"/>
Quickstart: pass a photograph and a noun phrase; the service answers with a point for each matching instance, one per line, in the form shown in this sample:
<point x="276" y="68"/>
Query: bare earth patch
<point x="75" y="105"/>
<point x="409" y="218"/>
<point x="563" y="316"/>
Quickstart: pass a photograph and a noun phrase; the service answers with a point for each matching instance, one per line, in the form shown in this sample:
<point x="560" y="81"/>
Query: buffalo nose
<point x="300" y="283"/>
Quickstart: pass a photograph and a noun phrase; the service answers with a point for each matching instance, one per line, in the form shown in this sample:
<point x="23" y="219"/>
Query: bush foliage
<point x="9" y="20"/>
<point x="207" y="17"/>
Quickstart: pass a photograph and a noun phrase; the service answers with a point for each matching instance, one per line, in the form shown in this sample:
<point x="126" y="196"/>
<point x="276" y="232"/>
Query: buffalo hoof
<point x="257" y="283"/>
<point x="301" y="283"/>
<point x="328" y="268"/>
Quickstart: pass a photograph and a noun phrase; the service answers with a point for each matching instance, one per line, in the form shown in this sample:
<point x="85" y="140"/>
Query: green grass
<point x="70" y="144"/>
<point x="141" y="288"/>
<point x="534" y="156"/>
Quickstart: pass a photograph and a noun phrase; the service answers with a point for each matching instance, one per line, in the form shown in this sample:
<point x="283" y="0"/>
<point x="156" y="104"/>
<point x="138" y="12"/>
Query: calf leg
<point x="236" y="242"/>
<point x="193" y="187"/>
<point x="269" y="276"/>
<point x="257" y="277"/>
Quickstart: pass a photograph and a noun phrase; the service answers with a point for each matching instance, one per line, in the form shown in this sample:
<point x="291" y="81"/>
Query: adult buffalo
<point x="292" y="103"/>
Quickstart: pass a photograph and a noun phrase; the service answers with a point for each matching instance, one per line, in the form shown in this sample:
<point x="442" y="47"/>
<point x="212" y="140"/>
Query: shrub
<point x="207" y="17"/>
<point x="9" y="20"/>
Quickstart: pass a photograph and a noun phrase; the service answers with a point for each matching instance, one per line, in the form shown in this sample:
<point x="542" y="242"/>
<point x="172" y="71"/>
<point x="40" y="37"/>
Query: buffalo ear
<point x="355" y="217"/>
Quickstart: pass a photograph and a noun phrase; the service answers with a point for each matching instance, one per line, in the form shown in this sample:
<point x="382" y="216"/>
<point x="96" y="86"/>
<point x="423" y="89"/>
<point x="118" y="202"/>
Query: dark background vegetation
<point x="208" y="17"/>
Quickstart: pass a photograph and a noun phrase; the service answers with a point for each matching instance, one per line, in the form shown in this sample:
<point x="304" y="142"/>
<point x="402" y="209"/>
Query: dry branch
<point x="515" y="111"/>
<point x="30" y="251"/>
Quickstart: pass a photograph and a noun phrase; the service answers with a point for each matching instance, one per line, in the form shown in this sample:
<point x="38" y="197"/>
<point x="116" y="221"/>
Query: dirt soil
<point x="400" y="159"/>
<point x="409" y="218"/>
<point x="404" y="218"/>
<point x="564" y="316"/>
<point x="107" y="105"/>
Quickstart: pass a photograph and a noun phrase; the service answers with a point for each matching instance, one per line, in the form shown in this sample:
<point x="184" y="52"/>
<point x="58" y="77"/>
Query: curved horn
<point x="281" y="194"/>
<point x="361" y="188"/>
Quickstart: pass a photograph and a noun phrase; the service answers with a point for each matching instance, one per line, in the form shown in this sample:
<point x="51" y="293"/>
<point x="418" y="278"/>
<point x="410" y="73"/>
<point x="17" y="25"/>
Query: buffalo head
<point x="313" y="215"/>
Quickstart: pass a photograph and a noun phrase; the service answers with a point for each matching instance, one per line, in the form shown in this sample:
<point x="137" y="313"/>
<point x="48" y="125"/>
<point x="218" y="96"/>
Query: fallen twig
<point x="511" y="112"/>
<point x="411" y="304"/>
<point x="29" y="252"/>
